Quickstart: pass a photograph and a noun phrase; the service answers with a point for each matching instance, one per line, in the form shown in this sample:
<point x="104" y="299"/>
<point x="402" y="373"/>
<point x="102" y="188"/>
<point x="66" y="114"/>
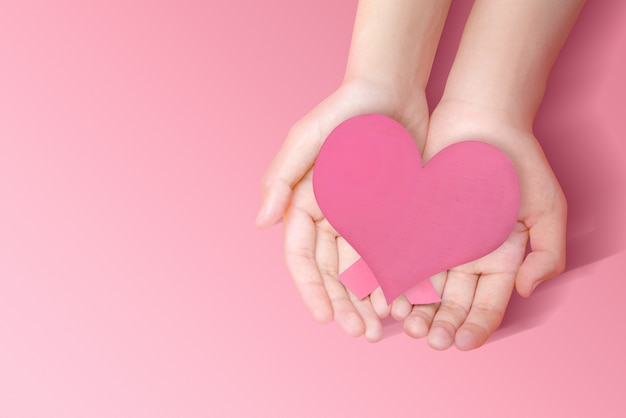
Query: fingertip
<point x="523" y="286"/>
<point x="267" y="215"/>
<point x="538" y="267"/>
<point x="379" y="303"/>
<point x="317" y="303"/>
<point x="382" y="310"/>
<point x="526" y="289"/>
<point x="322" y="314"/>
<point x="351" y="323"/>
<point x="260" y="221"/>
<point x="273" y="206"/>
<point x="440" y="338"/>
<point x="400" y="308"/>
<point x="415" y="327"/>
<point x="470" y="337"/>
<point x="374" y="334"/>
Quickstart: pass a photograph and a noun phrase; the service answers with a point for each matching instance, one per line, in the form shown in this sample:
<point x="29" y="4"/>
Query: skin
<point x="493" y="92"/>
<point x="391" y="54"/>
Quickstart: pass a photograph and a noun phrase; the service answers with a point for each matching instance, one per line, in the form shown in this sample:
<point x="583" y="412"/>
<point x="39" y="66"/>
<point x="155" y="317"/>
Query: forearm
<point x="394" y="41"/>
<point x="506" y="54"/>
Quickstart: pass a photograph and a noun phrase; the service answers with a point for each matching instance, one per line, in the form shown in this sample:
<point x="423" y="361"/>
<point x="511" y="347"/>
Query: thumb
<point x="290" y="164"/>
<point x="276" y="197"/>
<point x="547" y="256"/>
<point x="298" y="153"/>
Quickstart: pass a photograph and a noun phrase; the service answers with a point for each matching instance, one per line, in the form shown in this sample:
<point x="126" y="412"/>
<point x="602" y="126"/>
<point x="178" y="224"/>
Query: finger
<point x="493" y="293"/>
<point x="276" y="196"/>
<point x="287" y="168"/>
<point x="300" y="241"/>
<point x="547" y="256"/>
<point x="373" y="326"/>
<point x="347" y="254"/>
<point x="347" y="257"/>
<point x="456" y="302"/>
<point x="297" y="155"/>
<point x="417" y="323"/>
<point x="400" y="308"/>
<point x="380" y="303"/>
<point x="346" y="314"/>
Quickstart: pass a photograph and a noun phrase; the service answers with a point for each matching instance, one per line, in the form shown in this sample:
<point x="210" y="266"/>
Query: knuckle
<point x="488" y="310"/>
<point x="453" y="307"/>
<point x="298" y="257"/>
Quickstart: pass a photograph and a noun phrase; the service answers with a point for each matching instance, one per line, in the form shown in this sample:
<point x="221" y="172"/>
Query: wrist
<point x="459" y="120"/>
<point x="502" y="87"/>
<point x="365" y="95"/>
<point x="490" y="109"/>
<point x="506" y="54"/>
<point x="392" y="92"/>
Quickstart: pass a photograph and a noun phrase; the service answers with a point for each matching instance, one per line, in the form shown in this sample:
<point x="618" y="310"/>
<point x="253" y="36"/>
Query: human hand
<point x="391" y="54"/>
<point x="492" y="94"/>
<point x="314" y="253"/>
<point x="475" y="295"/>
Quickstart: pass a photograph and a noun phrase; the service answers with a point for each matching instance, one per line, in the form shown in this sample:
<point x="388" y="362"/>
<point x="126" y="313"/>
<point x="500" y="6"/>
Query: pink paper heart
<point x="406" y="221"/>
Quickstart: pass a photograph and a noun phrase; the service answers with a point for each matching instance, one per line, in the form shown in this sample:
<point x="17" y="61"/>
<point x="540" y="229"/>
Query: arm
<point x="507" y="52"/>
<point x="394" y="42"/>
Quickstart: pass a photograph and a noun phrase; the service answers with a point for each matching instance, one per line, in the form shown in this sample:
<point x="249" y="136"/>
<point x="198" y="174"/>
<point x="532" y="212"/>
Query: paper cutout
<point x="409" y="222"/>
<point x="361" y="281"/>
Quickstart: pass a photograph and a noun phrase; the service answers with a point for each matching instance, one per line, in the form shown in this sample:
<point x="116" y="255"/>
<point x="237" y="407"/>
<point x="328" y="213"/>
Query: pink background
<point x="133" y="284"/>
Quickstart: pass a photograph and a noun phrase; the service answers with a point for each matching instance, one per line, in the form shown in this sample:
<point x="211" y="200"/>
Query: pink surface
<point x="410" y="222"/>
<point x="133" y="283"/>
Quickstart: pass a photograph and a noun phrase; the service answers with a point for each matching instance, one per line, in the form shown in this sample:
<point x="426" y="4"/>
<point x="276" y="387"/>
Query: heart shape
<point x="408" y="221"/>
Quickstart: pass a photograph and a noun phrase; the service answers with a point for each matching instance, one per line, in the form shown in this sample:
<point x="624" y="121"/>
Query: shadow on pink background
<point x="133" y="136"/>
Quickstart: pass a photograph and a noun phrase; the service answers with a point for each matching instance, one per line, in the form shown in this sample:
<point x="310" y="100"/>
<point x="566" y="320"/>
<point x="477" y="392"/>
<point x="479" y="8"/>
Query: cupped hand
<point x="475" y="295"/>
<point x="314" y="253"/>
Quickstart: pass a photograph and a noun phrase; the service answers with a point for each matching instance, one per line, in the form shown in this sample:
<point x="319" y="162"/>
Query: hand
<point x="475" y="295"/>
<point x="314" y="253"/>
